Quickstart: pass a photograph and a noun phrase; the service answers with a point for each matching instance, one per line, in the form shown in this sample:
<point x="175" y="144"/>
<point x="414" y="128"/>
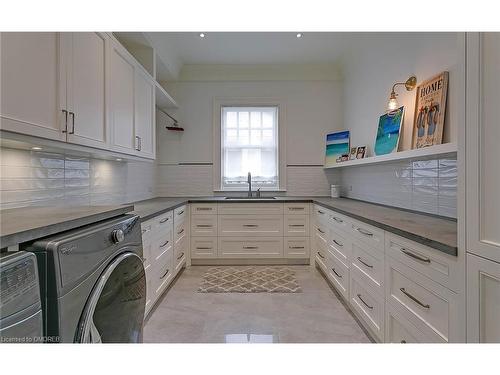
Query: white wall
<point x="313" y="108"/>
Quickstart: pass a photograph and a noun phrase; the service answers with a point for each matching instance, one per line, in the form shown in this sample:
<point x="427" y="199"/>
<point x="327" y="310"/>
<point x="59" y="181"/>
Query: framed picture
<point x="360" y="152"/>
<point x="430" y="109"/>
<point x="352" y="154"/>
<point x="337" y="144"/>
<point x="389" y="126"/>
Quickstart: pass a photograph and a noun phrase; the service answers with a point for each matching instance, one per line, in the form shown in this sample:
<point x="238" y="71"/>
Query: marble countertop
<point x="436" y="232"/>
<point x="18" y="225"/>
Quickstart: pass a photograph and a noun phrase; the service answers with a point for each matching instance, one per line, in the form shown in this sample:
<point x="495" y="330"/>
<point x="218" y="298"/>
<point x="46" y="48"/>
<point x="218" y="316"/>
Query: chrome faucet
<point x="249" y="180"/>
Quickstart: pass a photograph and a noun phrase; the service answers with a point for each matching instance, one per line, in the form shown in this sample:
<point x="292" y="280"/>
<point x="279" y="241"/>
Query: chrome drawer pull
<point x="204" y="226"/>
<point x="180" y="212"/>
<point x="165" y="274"/>
<point x="414" y="299"/>
<point x="319" y="230"/>
<point x="321" y="255"/>
<point x="415" y="256"/>
<point x="295" y="225"/>
<point x="180" y="256"/>
<point x="250" y="247"/>
<point x="337" y="219"/>
<point x="203" y="208"/>
<point x="338" y="243"/>
<point x="366" y="233"/>
<point x="164" y="220"/>
<point x="165" y="244"/>
<point x="203" y="248"/>
<point x="335" y="272"/>
<point x="367" y="305"/>
<point x="320" y="212"/>
<point x="366" y="264"/>
<point x="295" y="208"/>
<point x="250" y="225"/>
<point x="296" y="247"/>
<point x="180" y="232"/>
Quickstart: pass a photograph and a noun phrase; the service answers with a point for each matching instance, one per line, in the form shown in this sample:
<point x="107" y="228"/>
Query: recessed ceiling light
<point x="299" y="35"/>
<point x="36" y="148"/>
<point x="202" y="35"/>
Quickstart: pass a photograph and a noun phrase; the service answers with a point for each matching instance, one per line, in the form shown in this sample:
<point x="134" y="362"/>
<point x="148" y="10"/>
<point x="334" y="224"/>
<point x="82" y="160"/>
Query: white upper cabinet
<point x="86" y="88"/>
<point x="482" y="140"/>
<point x="121" y="109"/>
<point x="145" y="114"/>
<point x="33" y="85"/>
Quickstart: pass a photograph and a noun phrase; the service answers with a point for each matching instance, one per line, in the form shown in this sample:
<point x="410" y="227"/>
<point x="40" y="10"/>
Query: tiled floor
<point x="314" y="316"/>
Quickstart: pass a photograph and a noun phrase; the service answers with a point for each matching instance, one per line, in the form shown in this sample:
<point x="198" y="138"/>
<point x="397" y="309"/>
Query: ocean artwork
<point x="389" y="127"/>
<point x="337" y="144"/>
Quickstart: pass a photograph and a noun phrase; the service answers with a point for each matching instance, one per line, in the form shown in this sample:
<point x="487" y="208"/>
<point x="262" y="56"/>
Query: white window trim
<point x="264" y="102"/>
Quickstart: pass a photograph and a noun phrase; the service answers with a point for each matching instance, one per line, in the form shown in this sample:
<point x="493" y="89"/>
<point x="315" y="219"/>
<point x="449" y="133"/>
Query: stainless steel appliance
<point x="93" y="282"/>
<point x="20" y="305"/>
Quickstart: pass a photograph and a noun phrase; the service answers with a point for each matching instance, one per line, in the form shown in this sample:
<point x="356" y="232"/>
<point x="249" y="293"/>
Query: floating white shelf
<point x="421" y="153"/>
<point x="163" y="99"/>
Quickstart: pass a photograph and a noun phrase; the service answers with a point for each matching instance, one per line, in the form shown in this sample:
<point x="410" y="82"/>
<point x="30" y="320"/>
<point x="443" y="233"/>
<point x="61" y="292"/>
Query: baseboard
<point x="248" y="262"/>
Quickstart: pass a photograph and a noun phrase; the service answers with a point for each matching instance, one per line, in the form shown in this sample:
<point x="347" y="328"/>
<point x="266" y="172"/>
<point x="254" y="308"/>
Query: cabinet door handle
<point x="204" y="226"/>
<point x="367" y="305"/>
<point x="366" y="264"/>
<point x="415" y="256"/>
<point x="164" y="220"/>
<point x="140" y="144"/>
<point x="335" y="272"/>
<point x="366" y="233"/>
<point x="137" y="143"/>
<point x="337" y="219"/>
<point x="320" y="212"/>
<point x="414" y="299"/>
<point x="180" y="232"/>
<point x="72" y="114"/>
<point x="203" y="248"/>
<point x="250" y="225"/>
<point x="180" y="256"/>
<point x="338" y="243"/>
<point x="203" y="208"/>
<point x="320" y="231"/>
<point x="180" y="213"/>
<point x="321" y="255"/>
<point x="296" y="225"/>
<point x="296" y="208"/>
<point x="296" y="247"/>
<point x="250" y="247"/>
<point x="65" y="120"/>
<point x="165" y="244"/>
<point x="165" y="274"/>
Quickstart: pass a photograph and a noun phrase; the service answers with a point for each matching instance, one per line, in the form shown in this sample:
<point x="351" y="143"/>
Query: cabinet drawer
<point x="204" y="209"/>
<point x="250" y="208"/>
<point x="251" y="247"/>
<point x="369" y="234"/>
<point x="162" y="272"/>
<point x="203" y="247"/>
<point x="369" y="264"/>
<point x="204" y="225"/>
<point x="340" y="246"/>
<point x="180" y="251"/>
<point x="320" y="251"/>
<point x="164" y="220"/>
<point x="430" y="306"/>
<point x="297" y="247"/>
<point x="255" y="225"/>
<point x="320" y="230"/>
<point x="297" y="225"/>
<point x="180" y="213"/>
<point x="160" y="245"/>
<point x="340" y="221"/>
<point x="438" y="266"/>
<point x="296" y="208"/>
<point x="180" y="230"/>
<point x="338" y="274"/>
<point x="399" y="330"/>
<point x="368" y="305"/>
<point x="320" y="214"/>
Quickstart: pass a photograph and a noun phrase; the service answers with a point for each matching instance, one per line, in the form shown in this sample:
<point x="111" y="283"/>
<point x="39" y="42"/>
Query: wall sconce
<point x="409" y="85"/>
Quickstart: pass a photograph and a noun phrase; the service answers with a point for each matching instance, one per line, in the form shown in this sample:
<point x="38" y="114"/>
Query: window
<point x="249" y="143"/>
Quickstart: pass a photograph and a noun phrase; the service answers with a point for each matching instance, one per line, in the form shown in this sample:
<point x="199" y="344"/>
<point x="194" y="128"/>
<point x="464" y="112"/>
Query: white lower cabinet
<point x="203" y="247"/>
<point x="250" y="247"/>
<point x="296" y="247"/>
<point x="399" y="330"/>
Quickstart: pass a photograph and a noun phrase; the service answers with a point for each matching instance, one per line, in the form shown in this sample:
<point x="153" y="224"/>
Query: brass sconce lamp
<point x="409" y="85"/>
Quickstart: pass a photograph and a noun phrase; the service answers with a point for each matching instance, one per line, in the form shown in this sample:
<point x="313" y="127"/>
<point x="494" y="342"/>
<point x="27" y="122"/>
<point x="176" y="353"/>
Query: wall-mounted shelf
<point x="163" y="99"/>
<point x="421" y="153"/>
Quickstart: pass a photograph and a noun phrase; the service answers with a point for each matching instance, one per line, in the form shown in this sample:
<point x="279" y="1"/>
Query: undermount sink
<point x="250" y="198"/>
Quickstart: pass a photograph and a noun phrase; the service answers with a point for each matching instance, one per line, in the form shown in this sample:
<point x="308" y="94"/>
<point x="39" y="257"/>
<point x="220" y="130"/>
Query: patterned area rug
<point x="249" y="280"/>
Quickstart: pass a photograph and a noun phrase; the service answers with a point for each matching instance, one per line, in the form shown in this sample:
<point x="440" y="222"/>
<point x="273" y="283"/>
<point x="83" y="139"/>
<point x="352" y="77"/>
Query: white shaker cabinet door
<point x="33" y="84"/>
<point x="482" y="140"/>
<point x="122" y="100"/>
<point x="87" y="89"/>
<point x="483" y="300"/>
<point x="145" y="114"/>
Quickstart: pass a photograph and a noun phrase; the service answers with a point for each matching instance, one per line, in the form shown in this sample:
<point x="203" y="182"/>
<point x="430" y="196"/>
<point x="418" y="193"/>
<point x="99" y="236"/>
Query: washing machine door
<point x="115" y="310"/>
